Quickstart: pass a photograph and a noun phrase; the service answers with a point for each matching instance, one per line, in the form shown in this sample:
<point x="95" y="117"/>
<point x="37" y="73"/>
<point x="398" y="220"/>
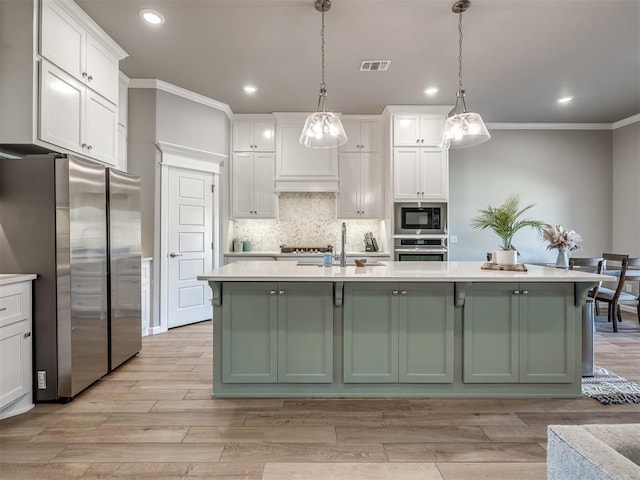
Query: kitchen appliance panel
<point x="420" y="218"/>
<point x="420" y="249"/>
<point x="83" y="356"/>
<point x="125" y="325"/>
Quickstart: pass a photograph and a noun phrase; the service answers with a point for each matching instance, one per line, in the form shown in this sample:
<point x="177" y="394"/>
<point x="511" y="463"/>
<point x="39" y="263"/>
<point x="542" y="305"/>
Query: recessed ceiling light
<point x="250" y="89"/>
<point x="563" y="100"/>
<point x="152" y="17"/>
<point x="431" y="91"/>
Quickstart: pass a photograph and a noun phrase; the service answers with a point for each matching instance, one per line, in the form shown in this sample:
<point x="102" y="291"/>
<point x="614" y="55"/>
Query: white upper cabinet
<point x="67" y="43"/>
<point x="253" y="133"/>
<point x="252" y="193"/>
<point x="299" y="168"/>
<point x="414" y="129"/>
<point x="76" y="118"/>
<point x="420" y="174"/>
<point x="363" y="134"/>
<point x="360" y="186"/>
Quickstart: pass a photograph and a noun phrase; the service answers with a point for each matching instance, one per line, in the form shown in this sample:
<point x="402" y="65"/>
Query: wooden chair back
<point x="615" y="261"/>
<point x="588" y="264"/>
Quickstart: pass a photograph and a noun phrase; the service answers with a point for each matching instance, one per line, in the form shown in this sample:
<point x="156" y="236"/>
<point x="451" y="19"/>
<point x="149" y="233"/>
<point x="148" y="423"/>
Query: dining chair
<point x="613" y="262"/>
<point x="590" y="265"/>
<point x="628" y="298"/>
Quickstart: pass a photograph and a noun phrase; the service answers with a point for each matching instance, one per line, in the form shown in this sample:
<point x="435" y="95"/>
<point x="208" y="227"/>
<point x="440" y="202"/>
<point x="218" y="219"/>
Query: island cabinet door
<point x="547" y="333"/>
<point x="490" y="333"/>
<point x="305" y="332"/>
<point x="370" y="333"/>
<point x="249" y="332"/>
<point x="425" y="333"/>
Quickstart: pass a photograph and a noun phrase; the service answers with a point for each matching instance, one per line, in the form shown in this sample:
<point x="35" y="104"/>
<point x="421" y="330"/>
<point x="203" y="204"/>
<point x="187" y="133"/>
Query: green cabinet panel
<point x="547" y="333"/>
<point x="425" y="334"/>
<point x="490" y="333"/>
<point x="305" y="332"/>
<point x="370" y="333"/>
<point x="398" y="333"/>
<point x="249" y="332"/>
<point x="519" y="333"/>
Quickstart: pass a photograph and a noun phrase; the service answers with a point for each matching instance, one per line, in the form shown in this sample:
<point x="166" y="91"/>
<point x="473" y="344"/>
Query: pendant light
<point x="323" y="129"/>
<point x="462" y="129"/>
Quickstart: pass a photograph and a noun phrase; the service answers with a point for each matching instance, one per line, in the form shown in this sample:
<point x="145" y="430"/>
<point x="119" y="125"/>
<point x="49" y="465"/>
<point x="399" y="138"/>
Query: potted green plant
<point x="505" y="220"/>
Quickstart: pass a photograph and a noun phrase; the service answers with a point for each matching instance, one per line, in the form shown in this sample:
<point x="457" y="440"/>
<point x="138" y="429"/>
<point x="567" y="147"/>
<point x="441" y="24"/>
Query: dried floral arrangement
<point x="560" y="238"/>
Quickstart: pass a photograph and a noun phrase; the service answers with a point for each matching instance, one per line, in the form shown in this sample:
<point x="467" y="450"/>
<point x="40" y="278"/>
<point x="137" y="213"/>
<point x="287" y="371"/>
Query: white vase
<point x="563" y="258"/>
<point x="506" y="257"/>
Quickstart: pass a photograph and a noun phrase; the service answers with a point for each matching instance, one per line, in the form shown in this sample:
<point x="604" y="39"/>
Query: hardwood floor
<point x="154" y="419"/>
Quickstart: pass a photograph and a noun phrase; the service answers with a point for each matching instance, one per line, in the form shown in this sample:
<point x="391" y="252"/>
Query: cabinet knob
<point x="422" y="140"/>
<point x="417" y="140"/>
<point x="403" y="292"/>
<point x="89" y="147"/>
<point x="272" y="292"/>
<point x="394" y="292"/>
<point x="525" y="292"/>
<point x="27" y="334"/>
<point x="84" y="145"/>
<point x="281" y="293"/>
<point x="516" y="292"/>
<point x="90" y="78"/>
<point x="3" y="309"/>
<point x="84" y="74"/>
<point x="422" y="194"/>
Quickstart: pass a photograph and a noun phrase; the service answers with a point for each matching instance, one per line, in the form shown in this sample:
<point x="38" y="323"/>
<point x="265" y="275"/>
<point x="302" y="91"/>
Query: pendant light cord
<point x="460" y="88"/>
<point x="322" y="85"/>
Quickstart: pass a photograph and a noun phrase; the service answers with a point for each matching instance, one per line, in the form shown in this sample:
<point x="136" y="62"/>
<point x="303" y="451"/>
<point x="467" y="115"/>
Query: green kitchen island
<point x="398" y="329"/>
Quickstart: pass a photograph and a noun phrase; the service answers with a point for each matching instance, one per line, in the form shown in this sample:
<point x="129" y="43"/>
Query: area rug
<point x="607" y="387"/>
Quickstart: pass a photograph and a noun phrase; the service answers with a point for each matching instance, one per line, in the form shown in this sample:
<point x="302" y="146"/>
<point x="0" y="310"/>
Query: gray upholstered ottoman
<point x="590" y="452"/>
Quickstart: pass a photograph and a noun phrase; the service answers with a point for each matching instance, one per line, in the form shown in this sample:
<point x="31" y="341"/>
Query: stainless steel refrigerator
<point x="53" y="219"/>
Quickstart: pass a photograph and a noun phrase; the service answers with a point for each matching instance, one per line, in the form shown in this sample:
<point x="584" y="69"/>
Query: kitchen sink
<point x="349" y="264"/>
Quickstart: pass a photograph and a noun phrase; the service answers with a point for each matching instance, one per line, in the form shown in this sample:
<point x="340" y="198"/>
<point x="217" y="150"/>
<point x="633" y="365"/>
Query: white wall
<point x="566" y="173"/>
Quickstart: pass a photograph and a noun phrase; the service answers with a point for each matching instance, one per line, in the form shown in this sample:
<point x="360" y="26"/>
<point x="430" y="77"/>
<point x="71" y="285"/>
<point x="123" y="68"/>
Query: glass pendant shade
<point x="463" y="129"/>
<point x="323" y="129"/>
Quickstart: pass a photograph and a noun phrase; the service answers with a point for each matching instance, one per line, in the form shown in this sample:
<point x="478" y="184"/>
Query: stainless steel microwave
<point x="420" y="218"/>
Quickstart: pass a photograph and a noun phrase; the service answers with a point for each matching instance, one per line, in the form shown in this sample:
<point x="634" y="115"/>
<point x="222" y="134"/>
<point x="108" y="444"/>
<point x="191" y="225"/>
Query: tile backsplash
<point x="305" y="219"/>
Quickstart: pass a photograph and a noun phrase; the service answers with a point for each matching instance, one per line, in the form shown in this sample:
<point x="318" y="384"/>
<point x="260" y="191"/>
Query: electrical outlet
<point x="628" y="287"/>
<point x="453" y="238"/>
<point x="42" y="380"/>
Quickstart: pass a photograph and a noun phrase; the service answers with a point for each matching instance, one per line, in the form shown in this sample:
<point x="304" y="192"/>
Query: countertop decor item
<point x="323" y="129"/>
<point x="463" y="129"/>
<point x="565" y="241"/>
<point x="505" y="221"/>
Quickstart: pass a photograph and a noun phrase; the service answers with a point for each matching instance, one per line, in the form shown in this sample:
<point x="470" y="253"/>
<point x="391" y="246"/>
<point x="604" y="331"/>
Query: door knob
<point x="174" y="254"/>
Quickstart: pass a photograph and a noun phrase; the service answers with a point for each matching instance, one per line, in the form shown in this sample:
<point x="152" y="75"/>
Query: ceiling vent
<point x="374" y="65"/>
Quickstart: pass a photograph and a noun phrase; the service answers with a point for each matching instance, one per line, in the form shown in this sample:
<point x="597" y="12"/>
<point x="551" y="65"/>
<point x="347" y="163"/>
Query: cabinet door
<point x="264" y="136"/>
<point x="406" y="174"/>
<point x="371" y="198"/>
<point x="61" y="108"/>
<point x="102" y="70"/>
<point x="305" y="333"/>
<point x="264" y="196"/>
<point x="406" y="130"/>
<point x="433" y="174"/>
<point x="490" y="333"/>
<point x="370" y="333"/>
<point x="62" y="39"/>
<point x="349" y="197"/>
<point x="242" y="185"/>
<point x="249" y="332"/>
<point x="15" y="361"/>
<point x="425" y="333"/>
<point x="242" y="136"/>
<point x="370" y="136"/>
<point x="352" y="129"/>
<point x="430" y="130"/>
<point x="547" y="333"/>
<point x="101" y="128"/>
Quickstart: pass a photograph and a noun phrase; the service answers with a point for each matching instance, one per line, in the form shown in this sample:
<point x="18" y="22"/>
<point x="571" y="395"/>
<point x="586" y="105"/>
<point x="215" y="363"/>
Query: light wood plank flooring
<point x="154" y="419"/>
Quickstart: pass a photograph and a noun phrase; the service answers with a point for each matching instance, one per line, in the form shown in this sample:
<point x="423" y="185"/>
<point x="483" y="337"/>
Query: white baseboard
<point x="156" y="330"/>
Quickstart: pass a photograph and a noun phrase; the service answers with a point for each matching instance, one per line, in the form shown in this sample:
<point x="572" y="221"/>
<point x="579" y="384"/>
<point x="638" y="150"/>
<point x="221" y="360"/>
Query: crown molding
<point x="626" y="121"/>
<point x="180" y="92"/>
<point x="549" y="126"/>
<point x="191" y="158"/>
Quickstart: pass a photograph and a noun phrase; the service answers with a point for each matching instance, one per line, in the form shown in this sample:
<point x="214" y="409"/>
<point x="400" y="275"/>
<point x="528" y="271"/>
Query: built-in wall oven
<point x="420" y="218"/>
<point x="420" y="249"/>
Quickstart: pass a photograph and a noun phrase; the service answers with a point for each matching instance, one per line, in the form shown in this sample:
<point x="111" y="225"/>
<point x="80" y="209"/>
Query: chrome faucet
<point x="343" y="256"/>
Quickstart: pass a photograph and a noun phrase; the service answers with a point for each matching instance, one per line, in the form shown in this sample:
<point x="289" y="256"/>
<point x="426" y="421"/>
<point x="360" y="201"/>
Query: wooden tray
<point x="518" y="267"/>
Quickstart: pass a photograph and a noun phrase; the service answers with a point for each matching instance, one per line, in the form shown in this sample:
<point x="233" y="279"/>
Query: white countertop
<point x="392" y="272"/>
<point x="8" y="278"/>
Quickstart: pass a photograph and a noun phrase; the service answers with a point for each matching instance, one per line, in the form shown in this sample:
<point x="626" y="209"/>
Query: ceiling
<point x="519" y="56"/>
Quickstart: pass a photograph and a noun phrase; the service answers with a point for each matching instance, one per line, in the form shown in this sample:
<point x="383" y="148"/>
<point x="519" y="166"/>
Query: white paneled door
<point x="190" y="251"/>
